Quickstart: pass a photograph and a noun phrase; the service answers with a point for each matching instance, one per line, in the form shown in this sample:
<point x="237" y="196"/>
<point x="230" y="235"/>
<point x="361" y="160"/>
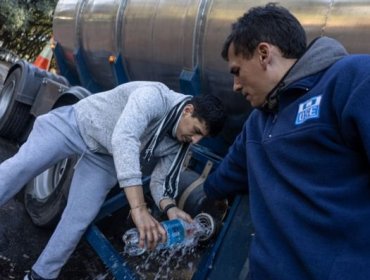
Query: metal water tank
<point x="157" y="39"/>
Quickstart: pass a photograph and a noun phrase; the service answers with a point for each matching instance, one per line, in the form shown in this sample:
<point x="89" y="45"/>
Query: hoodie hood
<point x="320" y="54"/>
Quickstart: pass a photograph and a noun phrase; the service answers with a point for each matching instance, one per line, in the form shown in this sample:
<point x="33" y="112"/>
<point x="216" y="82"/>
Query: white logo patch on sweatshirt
<point x="309" y="109"/>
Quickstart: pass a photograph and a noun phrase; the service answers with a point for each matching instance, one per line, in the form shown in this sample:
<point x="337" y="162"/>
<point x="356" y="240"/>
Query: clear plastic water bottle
<point x="178" y="233"/>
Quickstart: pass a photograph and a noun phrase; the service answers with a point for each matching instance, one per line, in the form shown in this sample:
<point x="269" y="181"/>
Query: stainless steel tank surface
<point x="157" y="39"/>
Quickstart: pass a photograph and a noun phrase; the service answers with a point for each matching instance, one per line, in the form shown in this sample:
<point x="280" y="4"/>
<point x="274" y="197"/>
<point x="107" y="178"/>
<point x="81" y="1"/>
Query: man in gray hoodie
<point x="114" y="133"/>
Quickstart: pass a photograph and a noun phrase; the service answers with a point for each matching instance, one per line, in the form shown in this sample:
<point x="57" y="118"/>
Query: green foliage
<point x="26" y="25"/>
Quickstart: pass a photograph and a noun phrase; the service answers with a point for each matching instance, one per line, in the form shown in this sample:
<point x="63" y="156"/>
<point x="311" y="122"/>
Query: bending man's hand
<point x="151" y="231"/>
<point x="174" y="212"/>
<point x="177" y="213"/>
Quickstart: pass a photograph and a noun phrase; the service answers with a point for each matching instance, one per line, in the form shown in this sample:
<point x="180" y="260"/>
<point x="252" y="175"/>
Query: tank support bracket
<point x="190" y="81"/>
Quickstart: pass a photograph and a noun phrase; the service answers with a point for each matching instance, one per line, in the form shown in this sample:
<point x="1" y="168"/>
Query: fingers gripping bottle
<point x="178" y="233"/>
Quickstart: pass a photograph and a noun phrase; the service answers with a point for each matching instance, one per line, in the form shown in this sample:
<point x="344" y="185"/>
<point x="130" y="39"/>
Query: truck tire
<point x="45" y="197"/>
<point x="14" y="116"/>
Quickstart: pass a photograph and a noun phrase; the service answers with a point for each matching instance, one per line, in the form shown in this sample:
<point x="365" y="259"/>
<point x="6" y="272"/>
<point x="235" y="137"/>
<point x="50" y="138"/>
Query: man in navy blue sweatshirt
<point x="303" y="154"/>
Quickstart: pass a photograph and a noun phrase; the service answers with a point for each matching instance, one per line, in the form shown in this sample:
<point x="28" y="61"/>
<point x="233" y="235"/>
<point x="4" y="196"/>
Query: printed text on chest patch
<point x="309" y="109"/>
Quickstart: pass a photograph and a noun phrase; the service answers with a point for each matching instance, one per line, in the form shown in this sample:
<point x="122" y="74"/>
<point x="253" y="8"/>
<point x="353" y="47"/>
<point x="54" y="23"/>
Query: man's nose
<point x="196" y="138"/>
<point x="237" y="87"/>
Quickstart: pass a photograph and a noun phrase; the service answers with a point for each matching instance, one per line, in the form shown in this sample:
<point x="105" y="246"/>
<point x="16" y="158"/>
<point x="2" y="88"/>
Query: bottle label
<point x="175" y="232"/>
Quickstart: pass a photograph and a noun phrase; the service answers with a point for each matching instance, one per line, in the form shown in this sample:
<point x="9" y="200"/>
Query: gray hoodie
<point x="121" y="121"/>
<point x="322" y="53"/>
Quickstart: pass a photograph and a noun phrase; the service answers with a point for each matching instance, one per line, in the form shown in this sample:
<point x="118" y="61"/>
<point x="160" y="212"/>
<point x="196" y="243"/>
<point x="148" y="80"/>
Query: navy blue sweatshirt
<point x="306" y="169"/>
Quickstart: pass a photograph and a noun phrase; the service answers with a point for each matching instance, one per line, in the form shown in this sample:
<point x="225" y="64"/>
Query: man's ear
<point x="263" y="51"/>
<point x="188" y="109"/>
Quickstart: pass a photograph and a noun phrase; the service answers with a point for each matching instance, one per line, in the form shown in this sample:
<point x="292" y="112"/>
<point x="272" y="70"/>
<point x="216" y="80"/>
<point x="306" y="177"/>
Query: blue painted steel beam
<point x="228" y="258"/>
<point x="207" y="262"/>
<point x="84" y="73"/>
<point x="107" y="253"/>
<point x="110" y="257"/>
<point x="190" y="82"/>
<point x="119" y="71"/>
<point x="63" y="67"/>
<point x="200" y="156"/>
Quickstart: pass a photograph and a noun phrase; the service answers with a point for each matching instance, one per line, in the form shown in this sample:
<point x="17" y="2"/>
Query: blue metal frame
<point x="228" y="258"/>
<point x="84" y="73"/>
<point x="209" y="257"/>
<point x="118" y="70"/>
<point x="110" y="257"/>
<point x="63" y="67"/>
<point x="107" y="253"/>
<point x="190" y="81"/>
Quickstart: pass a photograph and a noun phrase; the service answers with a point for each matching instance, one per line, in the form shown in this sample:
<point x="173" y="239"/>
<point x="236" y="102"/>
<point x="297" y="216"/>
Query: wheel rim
<point x="48" y="181"/>
<point x="6" y="97"/>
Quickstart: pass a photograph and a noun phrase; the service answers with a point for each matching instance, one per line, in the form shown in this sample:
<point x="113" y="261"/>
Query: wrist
<point x="137" y="211"/>
<point x="168" y="207"/>
<point x="165" y="201"/>
<point x="138" y="208"/>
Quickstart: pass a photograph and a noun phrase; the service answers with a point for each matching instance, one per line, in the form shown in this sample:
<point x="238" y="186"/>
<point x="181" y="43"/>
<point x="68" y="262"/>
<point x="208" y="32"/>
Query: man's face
<point x="250" y="76"/>
<point x="190" y="129"/>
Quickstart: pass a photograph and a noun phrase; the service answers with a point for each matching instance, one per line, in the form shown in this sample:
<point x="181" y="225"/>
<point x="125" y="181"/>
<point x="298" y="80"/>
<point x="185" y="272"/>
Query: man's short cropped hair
<point x="209" y="108"/>
<point x="272" y="24"/>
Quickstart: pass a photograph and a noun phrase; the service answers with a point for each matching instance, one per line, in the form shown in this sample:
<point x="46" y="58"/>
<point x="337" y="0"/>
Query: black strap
<point x="172" y="178"/>
<point x="168" y="207"/>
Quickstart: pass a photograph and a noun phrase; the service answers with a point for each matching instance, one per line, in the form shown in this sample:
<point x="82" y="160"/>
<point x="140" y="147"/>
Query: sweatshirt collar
<point x="319" y="55"/>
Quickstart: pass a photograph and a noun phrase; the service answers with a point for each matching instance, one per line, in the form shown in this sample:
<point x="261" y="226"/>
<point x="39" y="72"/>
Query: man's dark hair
<point x="272" y="24"/>
<point x="209" y="108"/>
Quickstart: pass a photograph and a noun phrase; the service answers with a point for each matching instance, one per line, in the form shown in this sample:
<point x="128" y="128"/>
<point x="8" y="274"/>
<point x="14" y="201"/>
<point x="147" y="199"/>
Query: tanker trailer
<point x="103" y="43"/>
